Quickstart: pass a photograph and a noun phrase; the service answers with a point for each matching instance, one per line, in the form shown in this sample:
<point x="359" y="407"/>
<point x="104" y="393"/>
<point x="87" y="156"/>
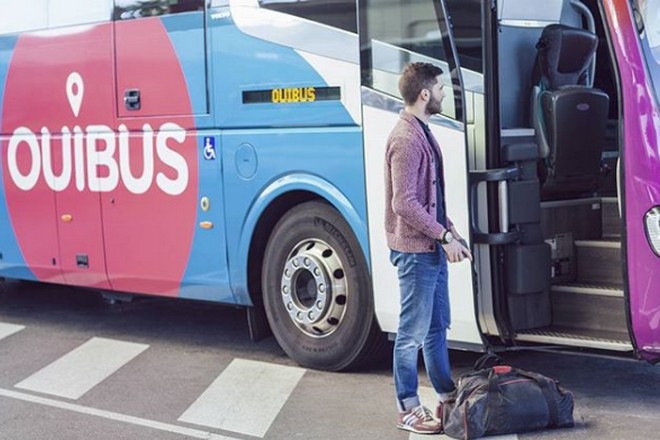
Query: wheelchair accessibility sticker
<point x="209" y="148"/>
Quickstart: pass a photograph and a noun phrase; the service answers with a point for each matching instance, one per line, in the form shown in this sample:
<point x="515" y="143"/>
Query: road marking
<point x="82" y="369"/>
<point x="9" y="329"/>
<point x="245" y="398"/>
<point x="429" y="398"/>
<point x="137" y="421"/>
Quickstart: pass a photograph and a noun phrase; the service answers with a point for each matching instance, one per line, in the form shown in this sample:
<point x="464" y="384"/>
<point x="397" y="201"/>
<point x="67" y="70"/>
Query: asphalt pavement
<point x="73" y="367"/>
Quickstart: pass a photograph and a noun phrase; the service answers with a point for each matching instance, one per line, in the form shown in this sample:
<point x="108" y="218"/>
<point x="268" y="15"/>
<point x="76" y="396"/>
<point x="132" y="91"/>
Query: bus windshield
<point x="648" y="24"/>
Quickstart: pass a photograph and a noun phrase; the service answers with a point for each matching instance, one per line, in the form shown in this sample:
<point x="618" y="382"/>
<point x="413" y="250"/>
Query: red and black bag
<point x="505" y="400"/>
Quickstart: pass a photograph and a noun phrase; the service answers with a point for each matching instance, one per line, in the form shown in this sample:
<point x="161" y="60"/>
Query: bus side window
<point x="395" y="36"/>
<point x="21" y="16"/>
<point x="128" y="9"/>
<point x="341" y="14"/>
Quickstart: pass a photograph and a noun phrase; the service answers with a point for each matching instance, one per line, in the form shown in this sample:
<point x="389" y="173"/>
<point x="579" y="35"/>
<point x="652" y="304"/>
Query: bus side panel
<point x="12" y="262"/>
<point x="333" y="164"/>
<point x="312" y="145"/>
<point x="206" y="276"/>
<point x="57" y="109"/>
<point x="642" y="183"/>
<point x="85" y="61"/>
<point x="31" y="206"/>
<point x="149" y="226"/>
<point x="190" y="266"/>
<point x="145" y="47"/>
<point x="250" y="64"/>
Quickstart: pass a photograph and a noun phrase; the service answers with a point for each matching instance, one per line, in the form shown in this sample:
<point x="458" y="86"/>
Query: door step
<point x="573" y="337"/>
<point x="589" y="289"/>
<point x="592" y="308"/>
<point x="590" y="311"/>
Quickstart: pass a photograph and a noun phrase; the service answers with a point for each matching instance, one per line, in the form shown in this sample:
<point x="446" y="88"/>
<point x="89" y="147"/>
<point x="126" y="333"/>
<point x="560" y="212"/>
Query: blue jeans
<point x="423" y="322"/>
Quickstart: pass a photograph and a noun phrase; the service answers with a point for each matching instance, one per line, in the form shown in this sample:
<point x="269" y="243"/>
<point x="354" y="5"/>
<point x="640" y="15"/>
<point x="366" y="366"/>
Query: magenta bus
<point x="231" y="151"/>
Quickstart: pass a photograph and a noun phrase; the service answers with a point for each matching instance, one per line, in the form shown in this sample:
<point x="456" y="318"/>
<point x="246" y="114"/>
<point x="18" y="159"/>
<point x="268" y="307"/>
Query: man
<point x="421" y="239"/>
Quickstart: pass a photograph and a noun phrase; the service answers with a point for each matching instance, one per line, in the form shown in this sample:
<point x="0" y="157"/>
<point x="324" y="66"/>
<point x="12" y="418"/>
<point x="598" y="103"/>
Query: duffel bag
<point x="505" y="400"/>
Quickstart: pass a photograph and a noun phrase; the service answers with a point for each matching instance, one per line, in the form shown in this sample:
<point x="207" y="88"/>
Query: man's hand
<point x="456" y="252"/>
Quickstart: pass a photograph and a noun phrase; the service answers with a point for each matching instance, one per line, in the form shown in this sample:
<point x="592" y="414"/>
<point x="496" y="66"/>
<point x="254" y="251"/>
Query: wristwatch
<point x="447" y="237"/>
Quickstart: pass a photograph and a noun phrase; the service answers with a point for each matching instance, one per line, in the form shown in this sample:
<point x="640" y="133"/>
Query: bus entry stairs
<point x="589" y="310"/>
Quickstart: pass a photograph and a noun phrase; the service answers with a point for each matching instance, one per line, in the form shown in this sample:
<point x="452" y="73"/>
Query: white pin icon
<point x="75" y="89"/>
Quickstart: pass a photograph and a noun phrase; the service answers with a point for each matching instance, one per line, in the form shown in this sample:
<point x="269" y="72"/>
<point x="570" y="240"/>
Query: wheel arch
<point x="274" y="201"/>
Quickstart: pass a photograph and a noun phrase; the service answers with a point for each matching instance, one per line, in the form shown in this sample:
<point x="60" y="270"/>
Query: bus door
<point x="393" y="34"/>
<point x="639" y="70"/>
<point x="159" y="214"/>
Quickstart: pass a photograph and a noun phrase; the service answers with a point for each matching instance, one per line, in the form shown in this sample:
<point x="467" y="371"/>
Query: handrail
<point x="503" y="176"/>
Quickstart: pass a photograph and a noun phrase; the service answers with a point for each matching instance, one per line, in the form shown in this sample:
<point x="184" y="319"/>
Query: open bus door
<point x="633" y="28"/>
<point x="391" y="35"/>
<point x="597" y="287"/>
<point x="512" y="214"/>
<point x="506" y="201"/>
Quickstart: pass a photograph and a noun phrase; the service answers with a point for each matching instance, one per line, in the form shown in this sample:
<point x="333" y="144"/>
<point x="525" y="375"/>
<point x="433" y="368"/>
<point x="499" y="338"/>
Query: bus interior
<point x="561" y="281"/>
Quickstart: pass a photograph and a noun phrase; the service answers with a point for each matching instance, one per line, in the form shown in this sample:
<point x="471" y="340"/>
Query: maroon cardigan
<point x="410" y="189"/>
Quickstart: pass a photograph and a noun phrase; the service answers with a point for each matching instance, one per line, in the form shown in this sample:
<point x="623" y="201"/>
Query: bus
<point x="232" y="151"/>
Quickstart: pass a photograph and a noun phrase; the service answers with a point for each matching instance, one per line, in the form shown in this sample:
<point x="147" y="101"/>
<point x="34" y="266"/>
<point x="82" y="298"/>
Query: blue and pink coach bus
<point x="232" y="151"/>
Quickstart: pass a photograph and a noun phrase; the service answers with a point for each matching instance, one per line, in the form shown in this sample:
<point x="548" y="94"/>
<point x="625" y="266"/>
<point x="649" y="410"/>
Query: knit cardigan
<point x="410" y="188"/>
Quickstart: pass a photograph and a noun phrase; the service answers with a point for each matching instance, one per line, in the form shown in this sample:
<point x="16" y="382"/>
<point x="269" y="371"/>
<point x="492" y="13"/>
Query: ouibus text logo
<point x="88" y="155"/>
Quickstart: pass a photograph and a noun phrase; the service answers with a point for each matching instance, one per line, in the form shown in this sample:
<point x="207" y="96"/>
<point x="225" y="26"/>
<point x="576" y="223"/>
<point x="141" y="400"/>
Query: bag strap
<point x="490" y="359"/>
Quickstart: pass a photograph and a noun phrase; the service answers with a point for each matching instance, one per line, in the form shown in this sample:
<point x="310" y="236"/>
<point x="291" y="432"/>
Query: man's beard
<point x="433" y="107"/>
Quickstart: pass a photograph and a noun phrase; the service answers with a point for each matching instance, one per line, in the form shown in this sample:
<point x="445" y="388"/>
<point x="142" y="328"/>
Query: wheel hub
<point x="314" y="288"/>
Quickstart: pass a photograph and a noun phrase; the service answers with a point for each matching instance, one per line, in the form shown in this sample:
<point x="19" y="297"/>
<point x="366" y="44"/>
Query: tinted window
<point x="465" y="18"/>
<point x="128" y="9"/>
<point x="396" y="33"/>
<point x="336" y="13"/>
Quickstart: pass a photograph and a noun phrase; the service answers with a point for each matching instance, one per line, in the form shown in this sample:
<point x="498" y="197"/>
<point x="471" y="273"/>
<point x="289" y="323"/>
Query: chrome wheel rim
<point x="314" y="289"/>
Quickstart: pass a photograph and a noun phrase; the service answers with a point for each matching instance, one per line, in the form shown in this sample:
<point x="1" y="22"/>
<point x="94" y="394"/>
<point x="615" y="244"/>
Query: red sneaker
<point x="420" y="421"/>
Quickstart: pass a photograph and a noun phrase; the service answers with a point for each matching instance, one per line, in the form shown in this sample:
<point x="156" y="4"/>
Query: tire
<point x="317" y="290"/>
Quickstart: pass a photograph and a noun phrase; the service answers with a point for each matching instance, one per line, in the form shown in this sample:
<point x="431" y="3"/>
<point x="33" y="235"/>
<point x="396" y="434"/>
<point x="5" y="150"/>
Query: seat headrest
<point x="564" y="55"/>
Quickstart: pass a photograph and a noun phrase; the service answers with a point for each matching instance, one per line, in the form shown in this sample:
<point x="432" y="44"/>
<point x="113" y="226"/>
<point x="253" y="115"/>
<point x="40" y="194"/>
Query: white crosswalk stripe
<point x="80" y="370"/>
<point x="109" y="415"/>
<point x="245" y="398"/>
<point x="9" y="329"/>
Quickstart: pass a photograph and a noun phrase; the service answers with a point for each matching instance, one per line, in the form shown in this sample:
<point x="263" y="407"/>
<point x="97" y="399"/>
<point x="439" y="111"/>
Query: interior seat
<point x="569" y="115"/>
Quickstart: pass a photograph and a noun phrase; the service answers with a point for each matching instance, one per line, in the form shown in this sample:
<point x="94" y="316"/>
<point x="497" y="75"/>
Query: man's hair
<point x="416" y="77"/>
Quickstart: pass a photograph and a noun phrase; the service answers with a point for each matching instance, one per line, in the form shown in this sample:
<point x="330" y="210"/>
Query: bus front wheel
<point x="317" y="290"/>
